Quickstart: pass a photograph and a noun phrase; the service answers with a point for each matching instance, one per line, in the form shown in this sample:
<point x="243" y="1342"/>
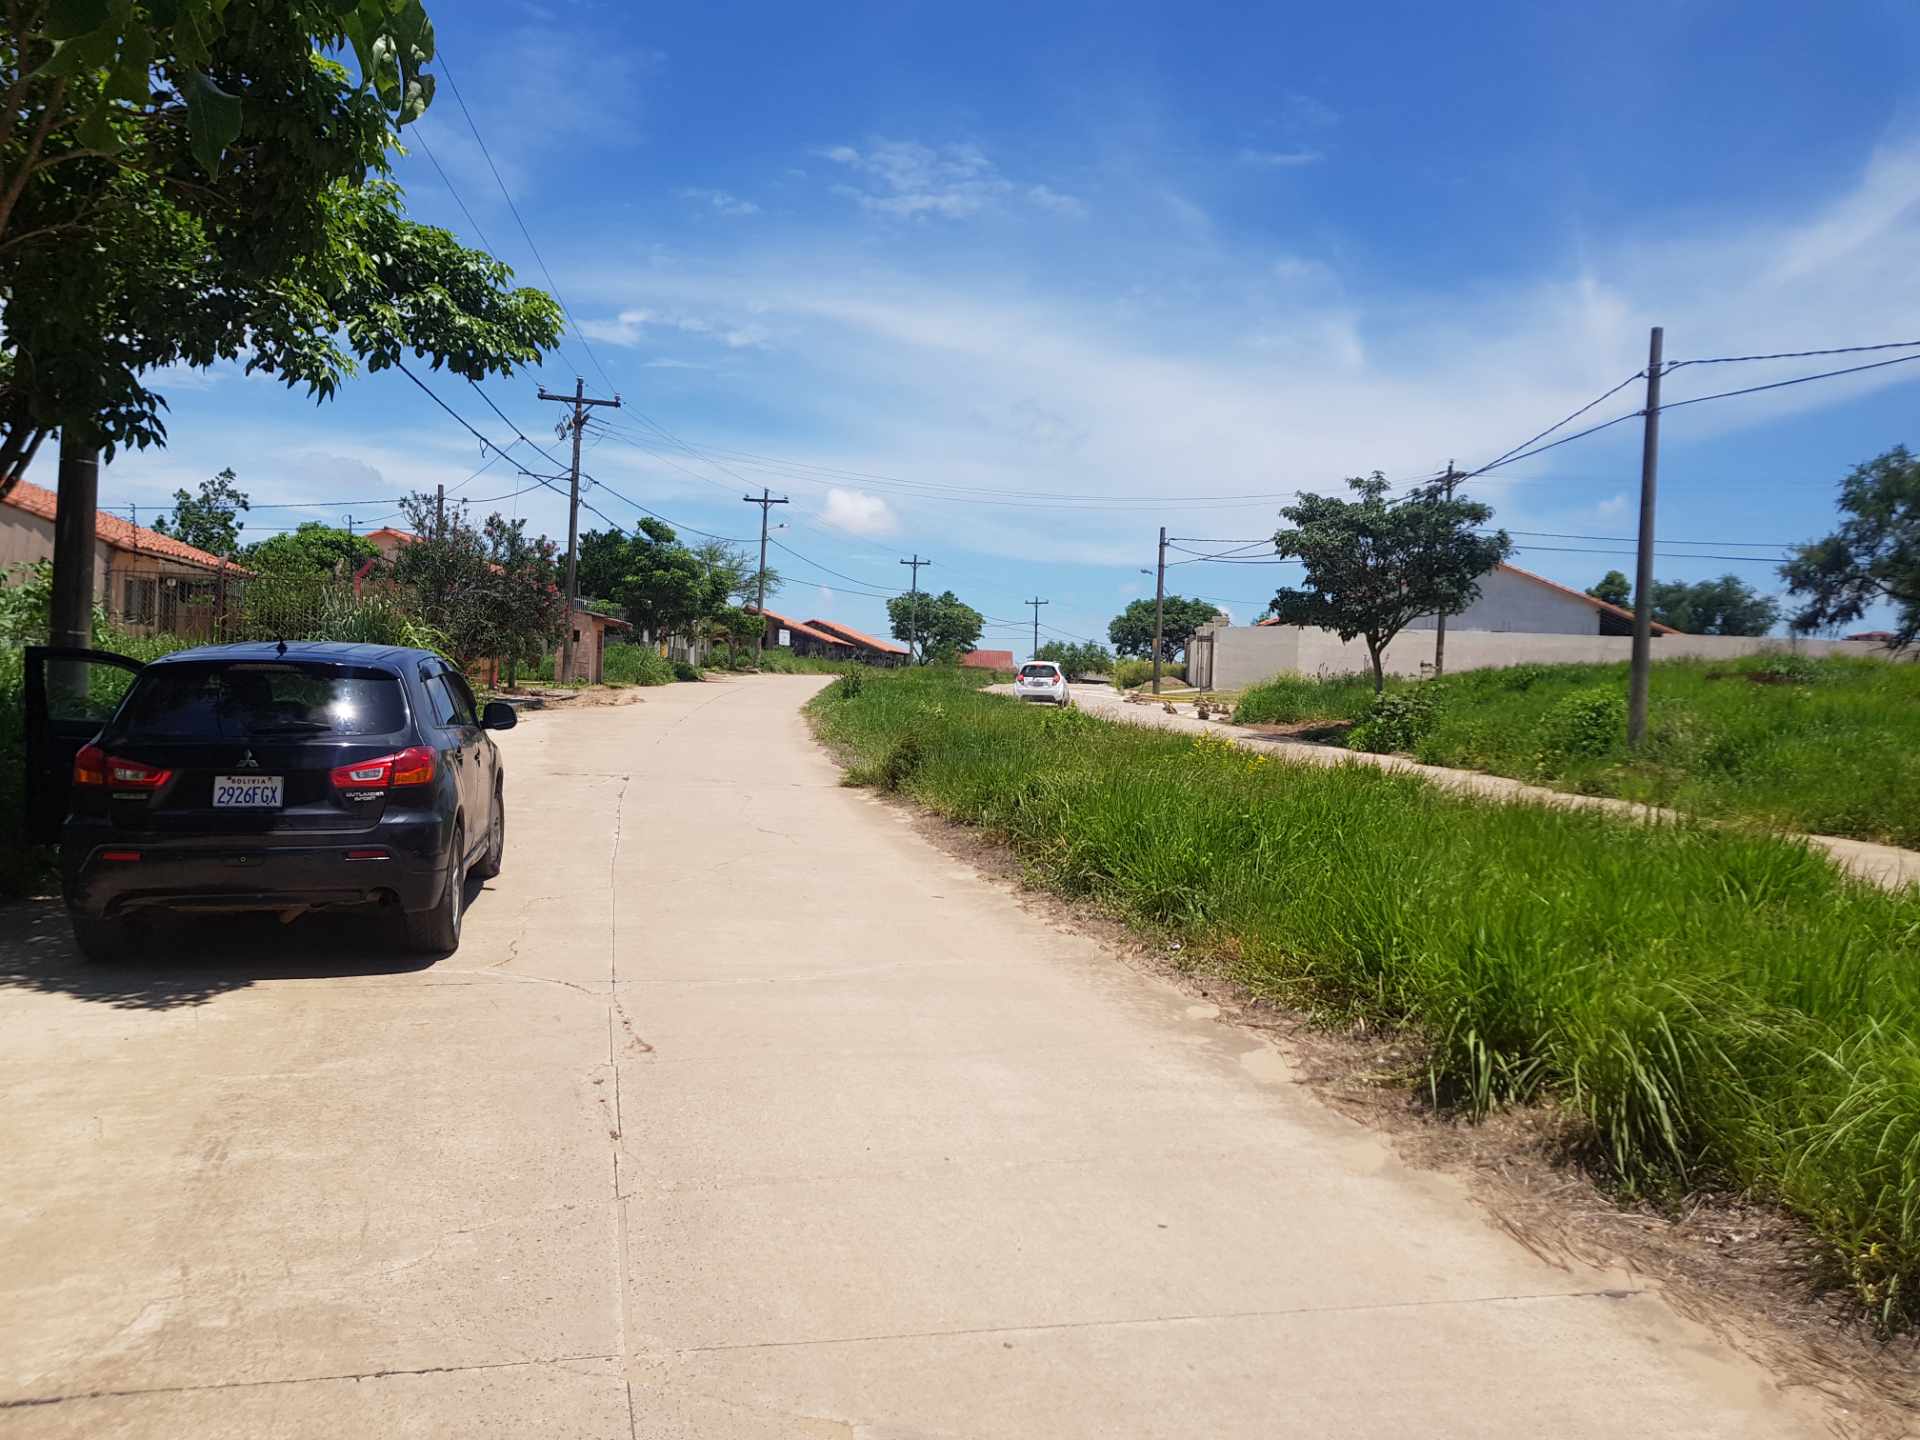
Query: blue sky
<point x="884" y="258"/>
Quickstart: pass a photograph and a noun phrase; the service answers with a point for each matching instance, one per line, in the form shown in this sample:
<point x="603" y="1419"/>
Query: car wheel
<point x="437" y="931"/>
<point x="104" y="942"/>
<point x="490" y="862"/>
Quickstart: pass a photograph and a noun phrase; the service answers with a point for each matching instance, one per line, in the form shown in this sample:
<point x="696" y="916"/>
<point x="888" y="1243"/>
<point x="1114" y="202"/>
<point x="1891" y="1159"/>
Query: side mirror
<point x="498" y="715"/>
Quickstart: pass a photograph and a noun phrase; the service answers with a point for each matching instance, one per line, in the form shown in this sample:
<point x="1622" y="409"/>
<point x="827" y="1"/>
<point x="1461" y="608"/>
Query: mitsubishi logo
<point x="247" y="762"/>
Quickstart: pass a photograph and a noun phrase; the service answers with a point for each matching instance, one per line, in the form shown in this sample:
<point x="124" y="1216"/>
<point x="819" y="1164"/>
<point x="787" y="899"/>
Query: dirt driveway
<point x="743" y="1112"/>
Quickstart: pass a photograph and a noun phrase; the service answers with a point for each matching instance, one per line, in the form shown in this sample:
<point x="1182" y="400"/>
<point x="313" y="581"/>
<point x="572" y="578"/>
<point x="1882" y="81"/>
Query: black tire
<point x="496" y="855"/>
<point x="437" y="931"/>
<point x="104" y="942"/>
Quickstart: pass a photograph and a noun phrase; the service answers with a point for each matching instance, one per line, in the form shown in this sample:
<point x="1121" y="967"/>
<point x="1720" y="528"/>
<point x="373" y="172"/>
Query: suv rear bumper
<point x="400" y="865"/>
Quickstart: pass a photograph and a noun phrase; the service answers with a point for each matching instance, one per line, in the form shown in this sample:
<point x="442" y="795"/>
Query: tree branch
<point x="40" y="133"/>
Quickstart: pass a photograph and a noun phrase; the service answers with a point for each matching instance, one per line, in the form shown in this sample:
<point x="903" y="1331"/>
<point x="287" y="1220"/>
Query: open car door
<point x="70" y="694"/>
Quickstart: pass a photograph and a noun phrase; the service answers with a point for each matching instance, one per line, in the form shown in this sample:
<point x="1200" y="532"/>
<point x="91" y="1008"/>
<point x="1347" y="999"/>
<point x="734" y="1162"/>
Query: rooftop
<point x="855" y="637"/>
<point x="120" y="534"/>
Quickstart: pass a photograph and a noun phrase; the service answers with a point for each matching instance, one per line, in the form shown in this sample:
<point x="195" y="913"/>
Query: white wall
<point x="1510" y="602"/>
<point x="1247" y="654"/>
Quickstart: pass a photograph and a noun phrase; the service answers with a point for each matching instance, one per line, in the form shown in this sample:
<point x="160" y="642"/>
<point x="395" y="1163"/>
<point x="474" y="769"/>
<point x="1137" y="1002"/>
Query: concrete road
<point x="743" y="1113"/>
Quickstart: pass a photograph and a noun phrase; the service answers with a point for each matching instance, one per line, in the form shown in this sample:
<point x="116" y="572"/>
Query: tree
<point x="1872" y="559"/>
<point x="446" y="568"/>
<point x="664" y="587"/>
<point x="1727" y="606"/>
<point x="1132" y="629"/>
<point x="208" y="521"/>
<point x="528" y="607"/>
<point x="1373" y="566"/>
<point x="188" y="182"/>
<point x="313" y="549"/>
<point x="736" y="571"/>
<point x="938" y="626"/>
<point x="1615" y="589"/>
<point x="1077" y="659"/>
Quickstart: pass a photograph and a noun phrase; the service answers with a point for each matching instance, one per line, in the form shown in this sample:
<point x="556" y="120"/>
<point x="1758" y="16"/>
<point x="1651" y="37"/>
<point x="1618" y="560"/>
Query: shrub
<point x="1783" y="667"/>
<point x="1130" y="674"/>
<point x="1396" y="721"/>
<point x="849" y="685"/>
<point x="632" y="665"/>
<point x="1290" y="699"/>
<point x="1586" y="723"/>
<point x="684" y="672"/>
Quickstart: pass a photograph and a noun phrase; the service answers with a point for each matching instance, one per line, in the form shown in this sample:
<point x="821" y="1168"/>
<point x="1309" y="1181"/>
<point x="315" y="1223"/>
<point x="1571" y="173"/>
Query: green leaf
<point x="132" y="76"/>
<point x="67" y="19"/>
<point x="193" y="33"/>
<point x="213" y="121"/>
<point x="97" y="131"/>
<point x="419" y="97"/>
<point x="79" y="55"/>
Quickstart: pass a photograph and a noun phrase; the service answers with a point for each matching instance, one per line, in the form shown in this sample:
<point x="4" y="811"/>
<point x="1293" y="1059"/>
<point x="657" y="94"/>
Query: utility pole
<point x="1450" y="479"/>
<point x="577" y="423"/>
<point x="913" y="605"/>
<point x="440" y="512"/>
<point x="1159" y="605"/>
<point x="73" y="527"/>
<point x="1639" y="674"/>
<point x="766" y="502"/>
<point x="1036" y="604"/>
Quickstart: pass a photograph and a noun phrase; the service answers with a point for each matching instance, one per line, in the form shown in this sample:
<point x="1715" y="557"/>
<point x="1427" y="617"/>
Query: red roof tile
<point x="988" y="659"/>
<point x="120" y="534"/>
<point x="854" y="637"/>
<point x="800" y="627"/>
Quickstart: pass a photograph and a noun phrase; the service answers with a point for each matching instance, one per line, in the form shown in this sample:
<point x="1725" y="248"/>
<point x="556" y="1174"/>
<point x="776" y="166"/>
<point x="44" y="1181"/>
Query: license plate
<point x="246" y="792"/>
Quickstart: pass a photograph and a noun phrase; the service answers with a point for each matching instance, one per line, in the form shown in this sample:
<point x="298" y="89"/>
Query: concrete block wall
<point x="1245" y="655"/>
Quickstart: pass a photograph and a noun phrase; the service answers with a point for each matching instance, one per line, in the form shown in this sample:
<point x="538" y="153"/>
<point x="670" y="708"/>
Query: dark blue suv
<point x="272" y="776"/>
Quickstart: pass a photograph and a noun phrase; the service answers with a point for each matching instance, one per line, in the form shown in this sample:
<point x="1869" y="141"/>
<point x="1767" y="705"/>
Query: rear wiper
<point x="286" y="727"/>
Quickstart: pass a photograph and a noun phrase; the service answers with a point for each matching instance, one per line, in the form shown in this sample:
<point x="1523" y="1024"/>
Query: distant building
<point x="798" y="637"/>
<point x="884" y="653"/>
<point x="147" y="582"/>
<point x="1516" y="601"/>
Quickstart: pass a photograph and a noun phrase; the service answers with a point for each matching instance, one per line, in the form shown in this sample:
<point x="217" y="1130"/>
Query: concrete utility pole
<point x="1036" y="604"/>
<point x="913" y="605"/>
<point x="440" y="512"/>
<point x="766" y="502"/>
<point x="1450" y="479"/>
<point x="1159" y="605"/>
<point x="577" y="423"/>
<point x="71" y="621"/>
<point x="1639" y="674"/>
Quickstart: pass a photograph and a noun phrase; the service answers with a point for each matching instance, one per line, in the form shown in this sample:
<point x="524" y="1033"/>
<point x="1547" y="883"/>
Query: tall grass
<point x="1714" y="1007"/>
<point x="631" y="665"/>
<point x="1830" y="746"/>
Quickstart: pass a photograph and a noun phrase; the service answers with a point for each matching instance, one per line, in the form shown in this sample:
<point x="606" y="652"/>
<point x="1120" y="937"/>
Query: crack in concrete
<point x="32" y="1401"/>
<point x="1161" y="1320"/>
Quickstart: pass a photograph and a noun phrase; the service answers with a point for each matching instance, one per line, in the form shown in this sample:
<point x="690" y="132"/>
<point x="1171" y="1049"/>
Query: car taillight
<point x="412" y="766"/>
<point x="93" y="766"/>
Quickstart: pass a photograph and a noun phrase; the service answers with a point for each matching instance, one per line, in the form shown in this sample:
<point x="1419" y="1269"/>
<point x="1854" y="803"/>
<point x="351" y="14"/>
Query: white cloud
<point x="824" y="599"/>
<point x="1281" y="159"/>
<point x="858" y="513"/>
<point x="909" y="179"/>
<point x="720" y="201"/>
<point x="1610" y="508"/>
<point x="1303" y="112"/>
<point x="630" y="327"/>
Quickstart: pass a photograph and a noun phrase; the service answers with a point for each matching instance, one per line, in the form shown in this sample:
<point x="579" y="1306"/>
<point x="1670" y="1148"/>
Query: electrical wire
<point x="445" y="69"/>
<point x="1782" y="384"/>
<point x="1793" y="354"/>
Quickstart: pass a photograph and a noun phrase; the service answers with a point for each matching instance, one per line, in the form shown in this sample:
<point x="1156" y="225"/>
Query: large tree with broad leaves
<point x="184" y="182"/>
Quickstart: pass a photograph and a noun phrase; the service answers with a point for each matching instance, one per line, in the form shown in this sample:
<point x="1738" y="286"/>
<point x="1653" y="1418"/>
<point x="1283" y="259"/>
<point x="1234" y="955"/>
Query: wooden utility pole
<point x="1036" y="604"/>
<point x="440" y="512"/>
<point x="1450" y="479"/>
<point x="1640" y="672"/>
<point x="1159" y="605"/>
<point x="766" y="502"/>
<point x="577" y="423"/>
<point x="913" y="605"/>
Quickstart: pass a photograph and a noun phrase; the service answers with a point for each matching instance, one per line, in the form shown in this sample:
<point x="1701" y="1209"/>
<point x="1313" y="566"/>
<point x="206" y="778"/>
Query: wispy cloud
<point x="1302" y="112"/>
<point x="858" y="513"/>
<point x="909" y="179"/>
<point x="1281" y="159"/>
<point x="630" y="327"/>
<point x="720" y="201"/>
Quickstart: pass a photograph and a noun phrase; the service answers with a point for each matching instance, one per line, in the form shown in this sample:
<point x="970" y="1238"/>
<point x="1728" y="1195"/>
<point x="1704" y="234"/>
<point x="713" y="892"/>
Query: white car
<point x="1042" y="680"/>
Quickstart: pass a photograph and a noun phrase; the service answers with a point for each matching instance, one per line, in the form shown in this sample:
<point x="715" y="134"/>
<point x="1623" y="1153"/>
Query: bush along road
<point x="1715" y="1008"/>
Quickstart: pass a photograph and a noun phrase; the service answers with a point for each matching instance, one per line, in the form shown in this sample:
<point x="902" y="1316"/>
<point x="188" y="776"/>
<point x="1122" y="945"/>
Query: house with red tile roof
<point x="884" y="653"/>
<point x="799" y="637"/>
<point x="144" y="580"/>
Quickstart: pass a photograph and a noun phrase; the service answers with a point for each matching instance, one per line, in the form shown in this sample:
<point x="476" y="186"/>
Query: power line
<point x="447" y="180"/>
<point x="445" y="69"/>
<point x="1782" y="384"/>
<point x="1664" y="555"/>
<point x="1794" y="354"/>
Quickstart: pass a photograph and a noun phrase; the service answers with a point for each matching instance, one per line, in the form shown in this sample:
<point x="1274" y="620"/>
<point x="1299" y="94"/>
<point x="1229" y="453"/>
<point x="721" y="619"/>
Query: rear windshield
<point x="234" y="700"/>
<point x="1028" y="672"/>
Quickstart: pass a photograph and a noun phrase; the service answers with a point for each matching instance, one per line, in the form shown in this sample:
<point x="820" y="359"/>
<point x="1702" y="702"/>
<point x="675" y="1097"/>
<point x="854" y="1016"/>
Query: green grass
<point x="1714" y="1007"/>
<point x="1129" y="674"/>
<point x="633" y="665"/>
<point x="1828" y="746"/>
